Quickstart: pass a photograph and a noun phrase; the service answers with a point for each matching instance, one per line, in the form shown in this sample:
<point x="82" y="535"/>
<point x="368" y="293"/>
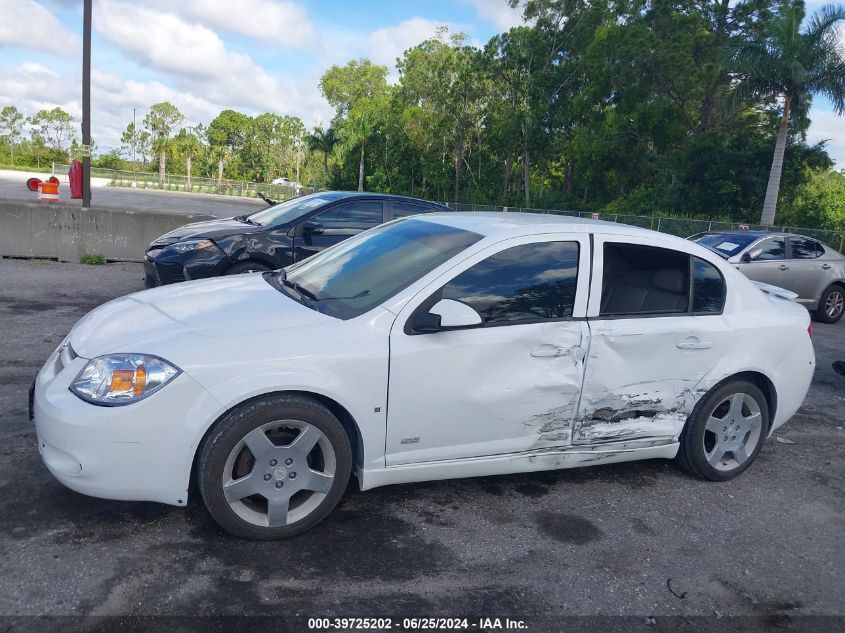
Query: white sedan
<point x="432" y="347"/>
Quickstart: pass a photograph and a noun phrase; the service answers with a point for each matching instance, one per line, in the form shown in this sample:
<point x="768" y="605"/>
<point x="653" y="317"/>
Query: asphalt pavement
<point x="640" y="539"/>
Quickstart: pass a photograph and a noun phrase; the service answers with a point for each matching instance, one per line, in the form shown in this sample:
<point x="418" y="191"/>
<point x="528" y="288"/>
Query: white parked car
<point x="433" y="347"/>
<point x="286" y="182"/>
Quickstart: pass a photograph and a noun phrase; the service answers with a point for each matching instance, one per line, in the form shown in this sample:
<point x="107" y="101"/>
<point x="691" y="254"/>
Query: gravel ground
<point x="640" y="539"/>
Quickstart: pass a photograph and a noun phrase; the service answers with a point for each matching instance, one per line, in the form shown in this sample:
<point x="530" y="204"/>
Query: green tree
<point x="442" y="80"/>
<point x="792" y="63"/>
<point x="160" y="121"/>
<point x="11" y="124"/>
<point x="55" y="127"/>
<point x="323" y="140"/>
<point x="358" y="92"/>
<point x="227" y="134"/>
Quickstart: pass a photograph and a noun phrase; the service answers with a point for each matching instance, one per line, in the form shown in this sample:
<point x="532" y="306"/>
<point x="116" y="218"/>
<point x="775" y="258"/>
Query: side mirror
<point x="753" y="254"/>
<point x="309" y="227"/>
<point x="455" y="314"/>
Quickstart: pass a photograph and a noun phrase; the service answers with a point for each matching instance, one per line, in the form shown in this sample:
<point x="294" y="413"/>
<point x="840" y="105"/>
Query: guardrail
<point x="196" y="184"/>
<point x="681" y="227"/>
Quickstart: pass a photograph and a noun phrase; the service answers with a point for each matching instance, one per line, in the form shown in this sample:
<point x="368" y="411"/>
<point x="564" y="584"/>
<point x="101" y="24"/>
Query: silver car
<point x="803" y="265"/>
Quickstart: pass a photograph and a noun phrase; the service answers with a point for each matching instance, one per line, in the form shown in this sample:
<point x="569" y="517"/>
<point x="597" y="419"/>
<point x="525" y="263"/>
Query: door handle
<point x="551" y="351"/>
<point x="783" y="267"/>
<point x="825" y="266"/>
<point x="694" y="342"/>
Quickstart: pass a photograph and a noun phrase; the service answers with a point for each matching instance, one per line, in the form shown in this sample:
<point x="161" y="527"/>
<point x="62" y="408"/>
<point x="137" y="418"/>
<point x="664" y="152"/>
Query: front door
<point x="770" y="266"/>
<point x="508" y="385"/>
<point x="653" y="340"/>
<point x="336" y="224"/>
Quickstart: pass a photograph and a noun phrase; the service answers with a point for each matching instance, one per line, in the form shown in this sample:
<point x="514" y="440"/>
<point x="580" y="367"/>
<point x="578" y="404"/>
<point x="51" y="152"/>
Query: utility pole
<point x="86" y="106"/>
<point x="188" y="185"/>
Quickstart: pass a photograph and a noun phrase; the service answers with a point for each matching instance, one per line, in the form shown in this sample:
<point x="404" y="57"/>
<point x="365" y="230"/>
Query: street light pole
<point x="86" y="106"/>
<point x="134" y="137"/>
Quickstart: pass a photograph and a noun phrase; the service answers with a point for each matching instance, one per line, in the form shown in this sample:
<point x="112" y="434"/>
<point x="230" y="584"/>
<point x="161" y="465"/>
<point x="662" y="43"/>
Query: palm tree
<point x="792" y="63"/>
<point x="322" y="140"/>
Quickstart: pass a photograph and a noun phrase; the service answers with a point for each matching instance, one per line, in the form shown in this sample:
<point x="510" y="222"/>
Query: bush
<point x="94" y="259"/>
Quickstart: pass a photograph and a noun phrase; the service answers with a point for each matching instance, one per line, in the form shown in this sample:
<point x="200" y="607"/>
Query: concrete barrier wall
<point x="66" y="232"/>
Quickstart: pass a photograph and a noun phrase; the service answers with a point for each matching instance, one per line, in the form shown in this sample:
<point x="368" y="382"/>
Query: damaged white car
<point x="433" y="347"/>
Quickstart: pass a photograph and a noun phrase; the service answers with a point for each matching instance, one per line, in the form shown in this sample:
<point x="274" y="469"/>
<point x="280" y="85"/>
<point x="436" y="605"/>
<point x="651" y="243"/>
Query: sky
<point x="249" y="55"/>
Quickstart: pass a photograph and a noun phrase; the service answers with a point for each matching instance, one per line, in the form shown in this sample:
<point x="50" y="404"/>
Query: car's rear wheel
<point x="247" y="267"/>
<point x="274" y="467"/>
<point x="831" y="304"/>
<point x="725" y="432"/>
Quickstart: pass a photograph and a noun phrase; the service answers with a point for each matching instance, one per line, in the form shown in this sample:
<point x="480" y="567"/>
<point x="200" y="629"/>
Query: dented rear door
<point x="644" y="374"/>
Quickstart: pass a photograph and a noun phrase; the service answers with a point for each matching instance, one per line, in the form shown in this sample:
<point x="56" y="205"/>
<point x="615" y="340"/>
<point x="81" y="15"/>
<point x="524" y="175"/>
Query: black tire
<point x="692" y="454"/>
<point x="835" y="295"/>
<point x="231" y="430"/>
<point x="248" y="267"/>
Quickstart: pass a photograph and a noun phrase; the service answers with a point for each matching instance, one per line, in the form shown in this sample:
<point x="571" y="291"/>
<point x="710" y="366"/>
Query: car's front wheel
<point x="831" y="304"/>
<point x="725" y="432"/>
<point x="274" y="467"/>
<point x="247" y="267"/>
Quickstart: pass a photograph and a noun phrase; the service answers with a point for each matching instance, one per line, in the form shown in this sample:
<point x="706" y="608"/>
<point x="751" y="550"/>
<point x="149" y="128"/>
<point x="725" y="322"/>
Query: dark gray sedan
<point x="801" y="264"/>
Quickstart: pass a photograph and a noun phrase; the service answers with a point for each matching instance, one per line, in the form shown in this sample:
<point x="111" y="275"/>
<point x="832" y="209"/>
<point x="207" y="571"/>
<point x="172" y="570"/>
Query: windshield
<point x="725" y="244"/>
<point x="290" y="210"/>
<point x="353" y="277"/>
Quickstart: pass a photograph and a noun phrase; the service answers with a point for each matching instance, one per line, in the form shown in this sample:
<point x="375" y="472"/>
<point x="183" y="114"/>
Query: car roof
<point x="755" y="234"/>
<point x="336" y="195"/>
<point x="511" y="223"/>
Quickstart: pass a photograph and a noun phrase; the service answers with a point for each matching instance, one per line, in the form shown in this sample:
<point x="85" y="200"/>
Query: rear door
<point x="653" y="337"/>
<point x="808" y="274"/>
<point x="336" y="224"/>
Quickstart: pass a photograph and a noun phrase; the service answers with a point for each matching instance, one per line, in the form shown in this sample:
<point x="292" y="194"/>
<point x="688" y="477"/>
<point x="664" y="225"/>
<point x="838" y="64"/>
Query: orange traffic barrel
<point x="48" y="191"/>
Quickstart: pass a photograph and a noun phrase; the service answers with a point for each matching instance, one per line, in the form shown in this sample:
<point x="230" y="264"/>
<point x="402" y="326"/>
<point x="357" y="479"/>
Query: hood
<point x="204" y="309"/>
<point x="211" y="229"/>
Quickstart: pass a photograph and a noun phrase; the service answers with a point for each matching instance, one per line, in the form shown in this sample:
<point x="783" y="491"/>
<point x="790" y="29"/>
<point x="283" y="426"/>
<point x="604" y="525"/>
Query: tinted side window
<point x="708" y="287"/>
<point x="357" y="214"/>
<point x="527" y="282"/>
<point x="803" y="248"/>
<point x="404" y="209"/>
<point x="772" y="249"/>
<point x="644" y="280"/>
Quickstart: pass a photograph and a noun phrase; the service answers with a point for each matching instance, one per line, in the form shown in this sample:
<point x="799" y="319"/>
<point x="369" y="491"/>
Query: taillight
<point x="810" y="329"/>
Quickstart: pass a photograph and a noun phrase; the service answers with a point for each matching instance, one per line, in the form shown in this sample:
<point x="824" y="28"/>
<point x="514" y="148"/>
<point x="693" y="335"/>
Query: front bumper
<point x="138" y="452"/>
<point x="161" y="268"/>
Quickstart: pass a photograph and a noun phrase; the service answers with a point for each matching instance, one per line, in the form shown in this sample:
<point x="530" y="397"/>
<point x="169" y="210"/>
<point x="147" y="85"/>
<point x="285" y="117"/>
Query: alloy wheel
<point x="834" y="304"/>
<point x="732" y="432"/>
<point x="279" y="473"/>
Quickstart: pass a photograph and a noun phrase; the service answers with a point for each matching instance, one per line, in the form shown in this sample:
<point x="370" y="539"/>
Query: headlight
<point x="122" y="378"/>
<point x="191" y="245"/>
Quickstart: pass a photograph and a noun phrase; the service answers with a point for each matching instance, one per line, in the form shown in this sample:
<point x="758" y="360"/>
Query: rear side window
<point x="404" y="209"/>
<point x="708" y="288"/>
<point x="356" y="214"/>
<point x="529" y="282"/>
<point x="644" y="280"/>
<point x="773" y="249"/>
<point x="805" y="248"/>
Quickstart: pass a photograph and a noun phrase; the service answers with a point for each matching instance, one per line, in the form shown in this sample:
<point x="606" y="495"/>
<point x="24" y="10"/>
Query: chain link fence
<point x="681" y="227"/>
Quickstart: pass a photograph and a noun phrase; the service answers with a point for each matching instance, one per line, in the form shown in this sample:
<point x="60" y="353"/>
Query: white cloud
<point x="279" y="21"/>
<point x="29" y="24"/>
<point x="825" y="125"/>
<point x="499" y="12"/>
<point x="387" y="44"/>
<point x="198" y="62"/>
